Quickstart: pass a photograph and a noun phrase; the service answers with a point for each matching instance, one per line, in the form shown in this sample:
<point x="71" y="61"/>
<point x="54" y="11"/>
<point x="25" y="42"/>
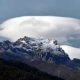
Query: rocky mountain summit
<point x="33" y="49"/>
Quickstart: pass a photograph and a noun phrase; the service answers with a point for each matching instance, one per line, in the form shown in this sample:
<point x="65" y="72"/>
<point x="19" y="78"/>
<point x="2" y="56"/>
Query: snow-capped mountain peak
<point x="33" y="49"/>
<point x="39" y="43"/>
<point x="42" y="48"/>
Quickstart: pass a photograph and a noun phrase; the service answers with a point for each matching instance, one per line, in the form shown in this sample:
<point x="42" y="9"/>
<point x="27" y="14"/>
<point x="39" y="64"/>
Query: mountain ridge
<point x="43" y="54"/>
<point x="36" y="49"/>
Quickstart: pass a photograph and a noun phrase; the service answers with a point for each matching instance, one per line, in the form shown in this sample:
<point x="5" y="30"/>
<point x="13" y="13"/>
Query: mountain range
<point x="43" y="54"/>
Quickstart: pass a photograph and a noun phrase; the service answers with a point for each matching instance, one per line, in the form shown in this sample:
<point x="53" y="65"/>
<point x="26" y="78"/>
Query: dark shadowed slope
<point x="10" y="70"/>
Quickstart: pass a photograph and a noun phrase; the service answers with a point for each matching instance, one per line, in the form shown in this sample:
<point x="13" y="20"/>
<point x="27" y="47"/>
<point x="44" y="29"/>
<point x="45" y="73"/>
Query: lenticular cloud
<point x="60" y="28"/>
<point x="72" y="52"/>
<point x="41" y="26"/>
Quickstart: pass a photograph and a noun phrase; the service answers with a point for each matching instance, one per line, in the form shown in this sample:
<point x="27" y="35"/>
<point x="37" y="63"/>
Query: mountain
<point x="43" y="54"/>
<point x="35" y="49"/>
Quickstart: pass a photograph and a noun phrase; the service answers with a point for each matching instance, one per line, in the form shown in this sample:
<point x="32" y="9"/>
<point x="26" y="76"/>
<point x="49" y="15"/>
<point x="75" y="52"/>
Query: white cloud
<point x="60" y="28"/>
<point x="49" y="27"/>
<point x="72" y="52"/>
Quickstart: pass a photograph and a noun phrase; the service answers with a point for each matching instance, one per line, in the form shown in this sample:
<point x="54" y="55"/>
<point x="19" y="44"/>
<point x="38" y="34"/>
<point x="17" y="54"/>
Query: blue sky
<point x="14" y="8"/>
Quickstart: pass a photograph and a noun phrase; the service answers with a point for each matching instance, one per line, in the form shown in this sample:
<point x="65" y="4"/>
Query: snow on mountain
<point x="72" y="51"/>
<point x="32" y="48"/>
